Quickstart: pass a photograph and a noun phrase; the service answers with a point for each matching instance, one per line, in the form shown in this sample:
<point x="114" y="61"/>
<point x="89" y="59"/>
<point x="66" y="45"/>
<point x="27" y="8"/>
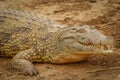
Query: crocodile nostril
<point x="1" y="20"/>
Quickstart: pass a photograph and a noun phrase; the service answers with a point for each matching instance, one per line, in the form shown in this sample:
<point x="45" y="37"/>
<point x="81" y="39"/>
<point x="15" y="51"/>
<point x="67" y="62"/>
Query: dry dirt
<point x="103" y="14"/>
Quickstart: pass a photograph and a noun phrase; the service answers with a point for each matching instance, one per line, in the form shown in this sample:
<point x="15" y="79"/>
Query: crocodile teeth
<point x="101" y="47"/>
<point x="107" y="51"/>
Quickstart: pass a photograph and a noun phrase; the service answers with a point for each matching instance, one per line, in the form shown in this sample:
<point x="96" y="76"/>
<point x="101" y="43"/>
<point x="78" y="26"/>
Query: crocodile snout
<point x="107" y="45"/>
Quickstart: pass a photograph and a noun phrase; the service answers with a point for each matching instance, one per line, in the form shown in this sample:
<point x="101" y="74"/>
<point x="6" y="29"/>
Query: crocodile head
<point x="85" y="39"/>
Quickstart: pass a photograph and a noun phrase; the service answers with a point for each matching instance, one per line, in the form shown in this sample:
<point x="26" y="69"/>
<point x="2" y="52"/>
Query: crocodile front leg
<point x="22" y="62"/>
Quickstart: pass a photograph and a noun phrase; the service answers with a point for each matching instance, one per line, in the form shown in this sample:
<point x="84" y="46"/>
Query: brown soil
<point x="103" y="14"/>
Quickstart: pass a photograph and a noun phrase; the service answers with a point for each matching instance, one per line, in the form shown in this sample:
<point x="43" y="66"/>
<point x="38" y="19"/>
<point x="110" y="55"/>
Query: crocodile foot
<point x="23" y="66"/>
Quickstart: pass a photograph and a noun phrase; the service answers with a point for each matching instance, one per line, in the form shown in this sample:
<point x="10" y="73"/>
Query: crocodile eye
<point x="82" y="38"/>
<point x="82" y="30"/>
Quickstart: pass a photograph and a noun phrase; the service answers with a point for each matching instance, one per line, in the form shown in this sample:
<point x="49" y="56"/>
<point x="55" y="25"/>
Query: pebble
<point x="0" y="73"/>
<point x="118" y="76"/>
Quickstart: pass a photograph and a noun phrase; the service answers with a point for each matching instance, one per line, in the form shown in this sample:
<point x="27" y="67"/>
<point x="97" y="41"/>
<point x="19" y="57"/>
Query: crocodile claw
<point x="31" y="72"/>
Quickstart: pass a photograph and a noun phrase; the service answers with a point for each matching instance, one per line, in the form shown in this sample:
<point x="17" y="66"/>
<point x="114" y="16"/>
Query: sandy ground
<point x="73" y="71"/>
<point x="103" y="14"/>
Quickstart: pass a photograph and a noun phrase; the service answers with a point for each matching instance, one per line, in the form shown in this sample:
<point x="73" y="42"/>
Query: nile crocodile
<point x="28" y="37"/>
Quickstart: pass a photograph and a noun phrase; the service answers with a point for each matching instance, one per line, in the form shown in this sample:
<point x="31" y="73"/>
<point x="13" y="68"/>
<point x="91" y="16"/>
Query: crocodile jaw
<point x="71" y="44"/>
<point x="99" y="48"/>
<point x="85" y="39"/>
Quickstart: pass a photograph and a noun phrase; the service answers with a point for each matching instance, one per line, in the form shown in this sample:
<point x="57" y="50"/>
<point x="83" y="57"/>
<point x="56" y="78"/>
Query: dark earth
<point x="103" y="14"/>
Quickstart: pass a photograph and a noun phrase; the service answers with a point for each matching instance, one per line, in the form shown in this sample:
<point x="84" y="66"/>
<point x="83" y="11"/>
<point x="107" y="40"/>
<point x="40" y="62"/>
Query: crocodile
<point x="28" y="37"/>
